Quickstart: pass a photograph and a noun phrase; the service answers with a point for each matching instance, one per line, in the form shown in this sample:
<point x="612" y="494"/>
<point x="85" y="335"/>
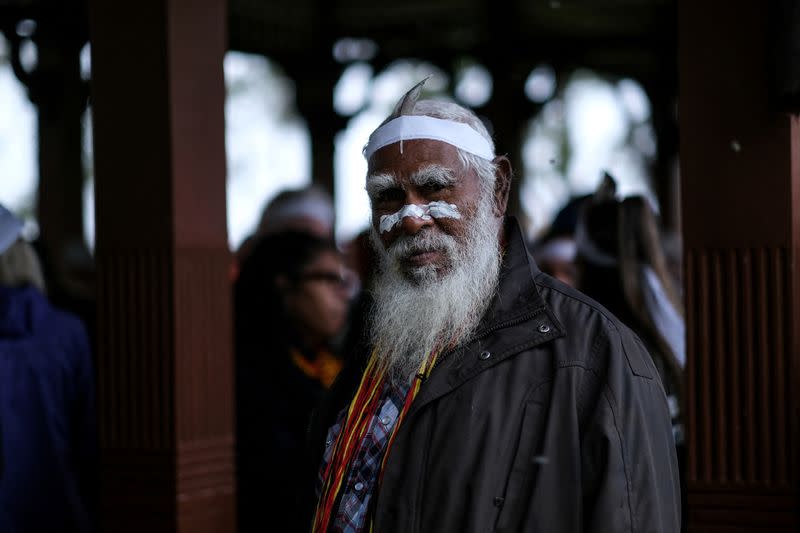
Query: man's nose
<point x="411" y="225"/>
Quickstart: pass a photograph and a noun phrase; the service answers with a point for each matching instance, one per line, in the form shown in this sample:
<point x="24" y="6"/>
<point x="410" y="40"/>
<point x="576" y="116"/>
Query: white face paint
<point x="437" y="209"/>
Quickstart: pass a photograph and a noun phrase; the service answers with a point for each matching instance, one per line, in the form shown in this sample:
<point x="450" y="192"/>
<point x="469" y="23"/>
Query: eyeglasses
<point x="343" y="278"/>
<point x="323" y="275"/>
<point x="340" y="279"/>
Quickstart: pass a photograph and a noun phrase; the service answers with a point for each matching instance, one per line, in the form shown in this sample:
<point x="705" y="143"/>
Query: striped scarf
<point x="360" y="413"/>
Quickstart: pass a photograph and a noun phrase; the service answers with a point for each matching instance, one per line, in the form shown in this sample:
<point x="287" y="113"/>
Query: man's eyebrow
<point x="434" y="175"/>
<point x="378" y="183"/>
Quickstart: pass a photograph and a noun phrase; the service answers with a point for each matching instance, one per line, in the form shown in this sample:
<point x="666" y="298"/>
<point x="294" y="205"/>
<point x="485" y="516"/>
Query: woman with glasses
<point x="290" y="302"/>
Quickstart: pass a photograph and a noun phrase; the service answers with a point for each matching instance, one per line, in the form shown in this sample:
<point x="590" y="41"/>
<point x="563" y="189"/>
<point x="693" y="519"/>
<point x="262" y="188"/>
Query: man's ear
<point x="502" y="184"/>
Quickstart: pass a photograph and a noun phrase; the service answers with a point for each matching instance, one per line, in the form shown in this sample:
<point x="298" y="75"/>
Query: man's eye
<point x="434" y="186"/>
<point x="390" y="195"/>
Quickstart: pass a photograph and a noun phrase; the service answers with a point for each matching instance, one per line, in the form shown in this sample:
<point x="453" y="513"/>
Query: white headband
<point x="409" y="127"/>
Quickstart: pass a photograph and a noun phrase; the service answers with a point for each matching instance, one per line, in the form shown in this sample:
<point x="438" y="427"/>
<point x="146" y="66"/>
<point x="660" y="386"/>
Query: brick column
<point x="164" y="346"/>
<point x="740" y="172"/>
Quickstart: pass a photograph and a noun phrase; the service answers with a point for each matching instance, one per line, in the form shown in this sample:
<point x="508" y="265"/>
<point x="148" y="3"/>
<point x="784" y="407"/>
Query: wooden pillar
<point x="509" y="112"/>
<point x="60" y="97"/>
<point x="315" y="77"/>
<point x="662" y="90"/>
<point x="56" y="89"/>
<point x="740" y="172"/>
<point x="315" y="84"/>
<point x="164" y="350"/>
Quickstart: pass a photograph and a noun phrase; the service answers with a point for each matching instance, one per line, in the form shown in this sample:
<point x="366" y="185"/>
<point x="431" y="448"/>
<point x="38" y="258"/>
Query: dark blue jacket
<point x="47" y="420"/>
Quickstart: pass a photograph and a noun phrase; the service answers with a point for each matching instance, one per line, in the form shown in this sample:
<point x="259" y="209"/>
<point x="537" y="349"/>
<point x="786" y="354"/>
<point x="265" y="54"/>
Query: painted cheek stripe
<point x="436" y="209"/>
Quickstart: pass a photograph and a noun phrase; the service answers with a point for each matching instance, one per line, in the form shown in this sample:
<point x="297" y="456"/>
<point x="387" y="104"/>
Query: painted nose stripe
<point x="436" y="209"/>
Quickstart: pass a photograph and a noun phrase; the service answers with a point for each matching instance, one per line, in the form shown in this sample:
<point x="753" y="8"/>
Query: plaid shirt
<point x="362" y="476"/>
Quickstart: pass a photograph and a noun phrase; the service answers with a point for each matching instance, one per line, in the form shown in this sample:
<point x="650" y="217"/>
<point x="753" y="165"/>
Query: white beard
<point x="418" y="309"/>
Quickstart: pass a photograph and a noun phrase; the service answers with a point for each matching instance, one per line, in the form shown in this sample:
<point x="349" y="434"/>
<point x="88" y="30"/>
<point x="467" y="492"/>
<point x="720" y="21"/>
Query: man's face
<point x="427" y="171"/>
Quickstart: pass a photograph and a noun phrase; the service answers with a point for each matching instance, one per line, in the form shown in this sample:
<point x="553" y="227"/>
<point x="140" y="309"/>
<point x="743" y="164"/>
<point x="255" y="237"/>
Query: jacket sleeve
<point x="629" y="469"/>
<point x="84" y="425"/>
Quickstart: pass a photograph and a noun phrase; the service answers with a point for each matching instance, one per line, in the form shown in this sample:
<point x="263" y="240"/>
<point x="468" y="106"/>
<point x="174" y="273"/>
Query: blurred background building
<point x="590" y="91"/>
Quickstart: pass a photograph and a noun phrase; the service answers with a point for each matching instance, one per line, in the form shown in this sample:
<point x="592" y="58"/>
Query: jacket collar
<point x="517" y="319"/>
<point x="517" y="293"/>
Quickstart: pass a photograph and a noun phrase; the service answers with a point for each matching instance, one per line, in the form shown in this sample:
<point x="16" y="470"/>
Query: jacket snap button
<point x="485" y="355"/>
<point x="544" y="328"/>
<point x="498" y="501"/>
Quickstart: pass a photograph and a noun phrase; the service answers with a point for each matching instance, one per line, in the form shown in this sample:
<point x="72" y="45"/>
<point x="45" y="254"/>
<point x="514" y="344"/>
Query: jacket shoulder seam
<point x="623" y="455"/>
<point x="609" y="328"/>
<point x="607" y="317"/>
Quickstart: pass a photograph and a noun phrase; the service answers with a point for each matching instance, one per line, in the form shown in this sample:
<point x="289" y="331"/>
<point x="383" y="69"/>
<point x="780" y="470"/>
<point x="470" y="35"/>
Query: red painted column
<point x="740" y="172"/>
<point x="164" y="350"/>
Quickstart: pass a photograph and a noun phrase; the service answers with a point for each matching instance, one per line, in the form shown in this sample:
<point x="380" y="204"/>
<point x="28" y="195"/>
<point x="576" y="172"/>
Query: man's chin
<point x="422" y="274"/>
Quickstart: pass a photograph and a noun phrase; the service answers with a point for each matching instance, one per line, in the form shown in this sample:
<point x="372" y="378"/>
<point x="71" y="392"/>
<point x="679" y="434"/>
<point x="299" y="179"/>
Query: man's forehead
<point x="405" y="158"/>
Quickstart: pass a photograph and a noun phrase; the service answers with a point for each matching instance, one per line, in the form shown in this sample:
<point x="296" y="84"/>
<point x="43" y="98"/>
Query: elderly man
<point x="487" y="396"/>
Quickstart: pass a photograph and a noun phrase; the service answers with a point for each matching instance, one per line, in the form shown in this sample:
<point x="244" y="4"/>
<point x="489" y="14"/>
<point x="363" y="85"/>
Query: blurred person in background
<point x="308" y="209"/>
<point x="554" y="251"/>
<point x="621" y="264"/>
<point x="48" y="440"/>
<point x="291" y="302"/>
<point x="361" y="259"/>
